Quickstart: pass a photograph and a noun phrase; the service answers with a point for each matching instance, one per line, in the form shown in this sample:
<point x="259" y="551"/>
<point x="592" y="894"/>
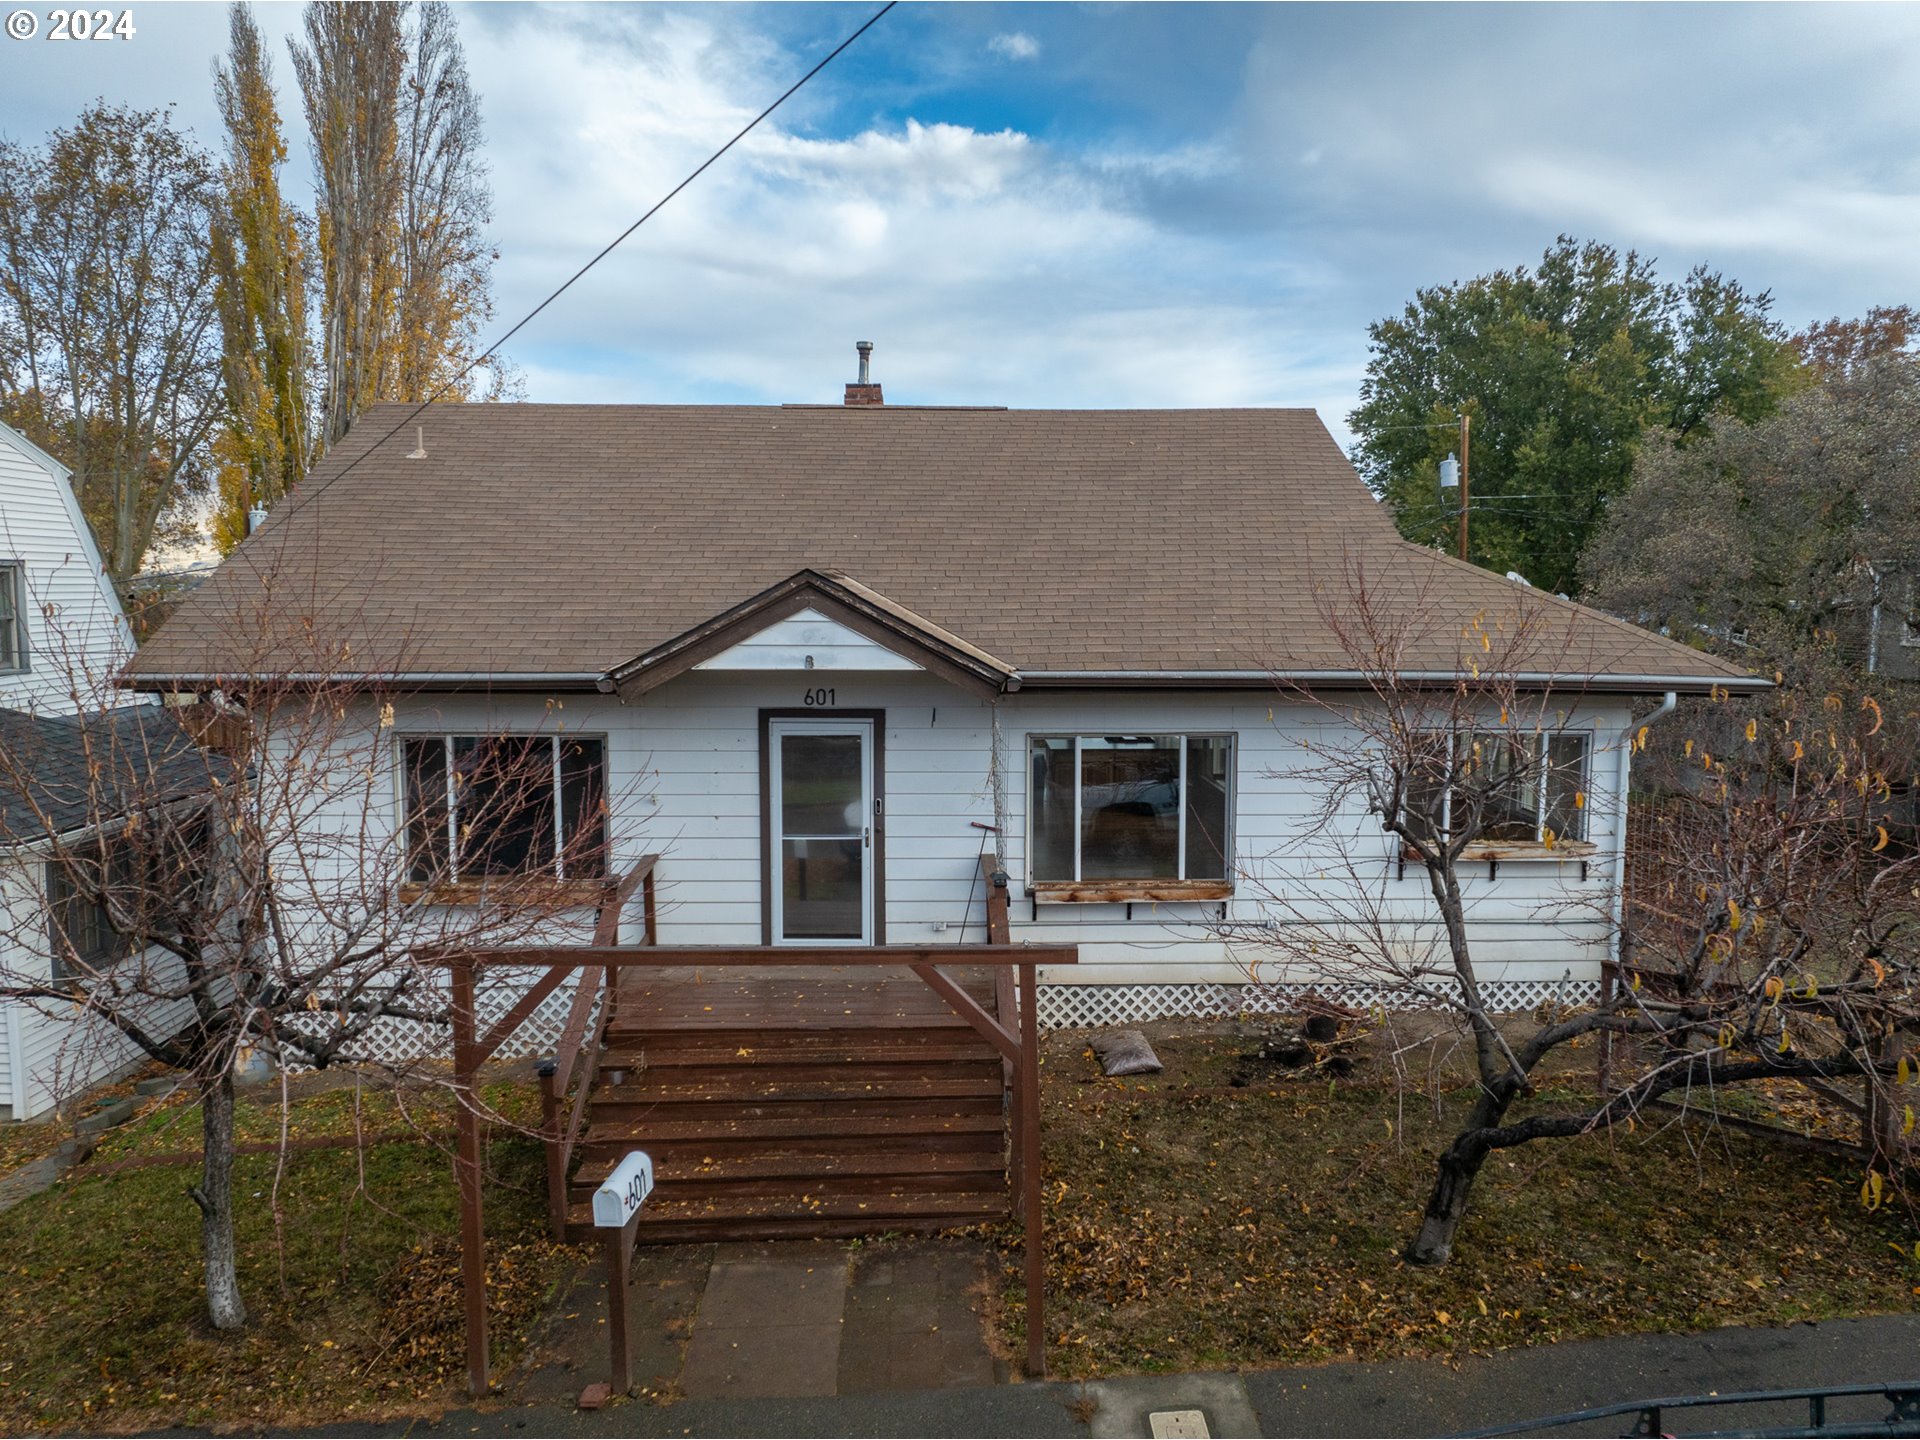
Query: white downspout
<point x="1627" y="737"/>
<point x="16" y="1061"/>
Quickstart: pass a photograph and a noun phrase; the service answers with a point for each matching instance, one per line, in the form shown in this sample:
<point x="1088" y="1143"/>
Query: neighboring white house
<point x="63" y="642"/>
<point x="821" y="657"/>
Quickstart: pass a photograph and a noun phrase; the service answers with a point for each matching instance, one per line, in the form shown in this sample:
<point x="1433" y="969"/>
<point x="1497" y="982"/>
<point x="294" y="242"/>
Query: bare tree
<point x="1786" y="952"/>
<point x="252" y="875"/>
<point x="108" y="336"/>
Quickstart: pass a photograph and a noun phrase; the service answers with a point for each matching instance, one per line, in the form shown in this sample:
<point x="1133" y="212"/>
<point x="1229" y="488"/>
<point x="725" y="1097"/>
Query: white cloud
<point x="1014" y="45"/>
<point x="987" y="266"/>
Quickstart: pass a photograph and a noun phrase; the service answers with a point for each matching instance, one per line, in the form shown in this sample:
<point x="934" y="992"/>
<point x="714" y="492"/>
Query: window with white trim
<point x="1129" y="807"/>
<point x="484" y="806"/>
<point x="13" y="623"/>
<point x="1529" y="788"/>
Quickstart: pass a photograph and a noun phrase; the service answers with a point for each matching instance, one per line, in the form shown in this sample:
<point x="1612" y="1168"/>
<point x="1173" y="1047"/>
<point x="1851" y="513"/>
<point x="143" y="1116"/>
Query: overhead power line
<point x="613" y="244"/>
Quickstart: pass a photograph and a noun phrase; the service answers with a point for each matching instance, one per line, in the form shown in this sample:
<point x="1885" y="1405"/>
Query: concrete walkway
<point x="791" y="1320"/>
<point x="1410" y="1398"/>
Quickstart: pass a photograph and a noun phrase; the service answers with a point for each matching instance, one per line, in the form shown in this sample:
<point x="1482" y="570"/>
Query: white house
<point x="820" y="658"/>
<point x="63" y="642"/>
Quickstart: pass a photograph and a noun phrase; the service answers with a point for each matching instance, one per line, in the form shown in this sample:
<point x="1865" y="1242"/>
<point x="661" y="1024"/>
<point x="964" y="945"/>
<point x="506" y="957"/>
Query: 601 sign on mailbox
<point x="623" y="1192"/>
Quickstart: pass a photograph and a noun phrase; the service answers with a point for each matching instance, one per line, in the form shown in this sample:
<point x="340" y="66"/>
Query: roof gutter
<point x="425" y="679"/>
<point x="1234" y="679"/>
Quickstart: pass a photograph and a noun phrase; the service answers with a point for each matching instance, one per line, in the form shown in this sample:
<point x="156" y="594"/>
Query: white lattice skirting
<point x="1062" y="1007"/>
<point x="1076" y="1007"/>
<point x="396" y="1042"/>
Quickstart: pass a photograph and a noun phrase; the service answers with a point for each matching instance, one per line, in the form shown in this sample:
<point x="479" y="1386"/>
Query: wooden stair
<point x="781" y="1107"/>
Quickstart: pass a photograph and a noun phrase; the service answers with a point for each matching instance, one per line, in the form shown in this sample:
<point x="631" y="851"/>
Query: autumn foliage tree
<point x="265" y="444"/>
<point x="1784" y="541"/>
<point x="1837" y="349"/>
<point x="1785" y="949"/>
<point x="109" y="339"/>
<point x="402" y="204"/>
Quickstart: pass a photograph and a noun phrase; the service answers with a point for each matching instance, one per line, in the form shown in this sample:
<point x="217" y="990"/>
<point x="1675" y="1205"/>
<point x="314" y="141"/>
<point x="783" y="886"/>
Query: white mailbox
<point x="623" y="1192"/>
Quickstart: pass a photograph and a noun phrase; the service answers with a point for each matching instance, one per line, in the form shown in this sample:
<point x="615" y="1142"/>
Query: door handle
<point x="866" y="837"/>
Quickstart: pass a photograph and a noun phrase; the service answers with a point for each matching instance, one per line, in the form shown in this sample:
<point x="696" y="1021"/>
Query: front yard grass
<point x="1195" y="1224"/>
<point x="354" y="1293"/>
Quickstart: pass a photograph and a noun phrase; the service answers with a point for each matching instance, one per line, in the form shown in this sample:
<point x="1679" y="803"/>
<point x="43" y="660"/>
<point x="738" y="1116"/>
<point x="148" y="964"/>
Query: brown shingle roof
<point x="567" y="539"/>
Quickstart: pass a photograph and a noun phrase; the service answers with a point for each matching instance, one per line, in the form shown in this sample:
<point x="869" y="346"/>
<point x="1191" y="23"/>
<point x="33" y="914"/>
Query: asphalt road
<point x="1388" y="1399"/>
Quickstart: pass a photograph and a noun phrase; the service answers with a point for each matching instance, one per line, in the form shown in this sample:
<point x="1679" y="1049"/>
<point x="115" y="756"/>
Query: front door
<point x="821" y="830"/>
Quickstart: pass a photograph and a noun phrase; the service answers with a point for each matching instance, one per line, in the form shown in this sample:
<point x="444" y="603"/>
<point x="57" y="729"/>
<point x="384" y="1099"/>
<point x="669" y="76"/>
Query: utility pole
<point x="1465" y="421"/>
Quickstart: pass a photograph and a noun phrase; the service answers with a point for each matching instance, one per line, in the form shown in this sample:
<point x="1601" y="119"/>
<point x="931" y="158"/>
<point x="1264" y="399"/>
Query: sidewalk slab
<point x="1125" y="1406"/>
<point x="769" y="1323"/>
<point x="914" y="1320"/>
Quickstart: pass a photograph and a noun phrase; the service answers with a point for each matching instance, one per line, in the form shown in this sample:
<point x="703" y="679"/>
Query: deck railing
<point x="1011" y="1027"/>
<point x="577" y="1056"/>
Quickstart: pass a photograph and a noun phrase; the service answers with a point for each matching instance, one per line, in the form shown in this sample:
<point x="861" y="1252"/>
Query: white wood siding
<point x="75" y="627"/>
<point x="685" y="775"/>
<point x="808" y="641"/>
<point x="61" y="1055"/>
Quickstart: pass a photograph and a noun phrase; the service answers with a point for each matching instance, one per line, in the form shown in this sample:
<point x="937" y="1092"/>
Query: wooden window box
<point x="532" y="891"/>
<point x="1506" y="850"/>
<point x="1108" y="892"/>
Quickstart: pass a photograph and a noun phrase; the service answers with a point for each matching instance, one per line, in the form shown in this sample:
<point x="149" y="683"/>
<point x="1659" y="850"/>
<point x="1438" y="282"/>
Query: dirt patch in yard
<point x="1231" y="1212"/>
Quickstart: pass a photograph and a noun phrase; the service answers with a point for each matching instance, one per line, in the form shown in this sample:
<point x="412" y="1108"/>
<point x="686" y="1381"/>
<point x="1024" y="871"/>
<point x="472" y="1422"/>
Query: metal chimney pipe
<point x="865" y="347"/>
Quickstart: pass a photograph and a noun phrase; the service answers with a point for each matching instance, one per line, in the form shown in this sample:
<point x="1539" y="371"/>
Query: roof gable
<point x="808" y="640"/>
<point x="809" y="608"/>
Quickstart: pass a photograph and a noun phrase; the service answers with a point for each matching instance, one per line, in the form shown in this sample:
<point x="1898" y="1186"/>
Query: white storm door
<point x="821" y="831"/>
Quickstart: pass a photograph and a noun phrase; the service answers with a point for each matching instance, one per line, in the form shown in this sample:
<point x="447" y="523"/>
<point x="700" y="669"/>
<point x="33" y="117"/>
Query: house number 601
<point x="819" y="697"/>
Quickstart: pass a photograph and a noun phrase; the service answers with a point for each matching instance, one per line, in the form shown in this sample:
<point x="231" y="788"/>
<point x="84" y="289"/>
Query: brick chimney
<point x="863" y="391"/>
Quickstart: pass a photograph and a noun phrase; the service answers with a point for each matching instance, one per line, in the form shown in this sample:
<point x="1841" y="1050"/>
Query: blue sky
<point x="1114" y="205"/>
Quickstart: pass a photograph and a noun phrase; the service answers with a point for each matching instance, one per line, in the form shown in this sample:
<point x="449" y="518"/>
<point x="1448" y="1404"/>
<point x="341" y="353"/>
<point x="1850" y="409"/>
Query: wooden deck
<point x="780" y="1092"/>
<point x="790" y="997"/>
<point x="797" y="1100"/>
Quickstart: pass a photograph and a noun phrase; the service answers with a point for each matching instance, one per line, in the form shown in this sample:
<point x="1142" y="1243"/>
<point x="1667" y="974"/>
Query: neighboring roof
<point x="562" y="543"/>
<point x="78" y="771"/>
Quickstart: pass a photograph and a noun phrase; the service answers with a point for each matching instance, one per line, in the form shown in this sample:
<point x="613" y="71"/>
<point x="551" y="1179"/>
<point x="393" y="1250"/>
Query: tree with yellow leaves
<point x="402" y="205"/>
<point x="264" y="447"/>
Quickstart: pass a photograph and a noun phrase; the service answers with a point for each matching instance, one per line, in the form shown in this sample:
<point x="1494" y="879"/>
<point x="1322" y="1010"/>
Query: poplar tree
<point x="264" y="447"/>
<point x="402" y="204"/>
<point x="445" y="262"/>
<point x="349" y="69"/>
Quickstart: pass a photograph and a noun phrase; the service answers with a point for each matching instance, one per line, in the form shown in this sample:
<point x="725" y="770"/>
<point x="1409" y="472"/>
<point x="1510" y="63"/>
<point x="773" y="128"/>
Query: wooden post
<point x="1030" y="1202"/>
<point x="619" y="1256"/>
<point x="648" y="914"/>
<point x="1603" y="1058"/>
<point x="554" y="1139"/>
<point x="466" y="1166"/>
